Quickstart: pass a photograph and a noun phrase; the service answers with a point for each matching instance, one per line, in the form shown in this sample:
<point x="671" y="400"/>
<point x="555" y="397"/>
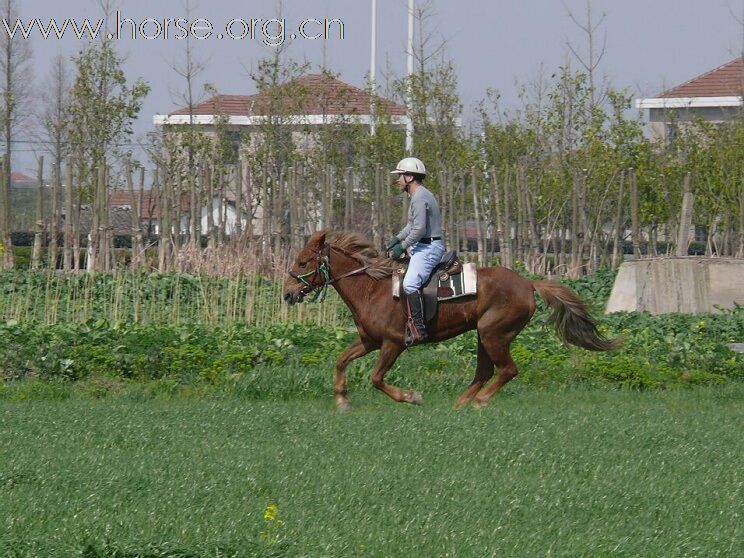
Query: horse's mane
<point x="362" y="250"/>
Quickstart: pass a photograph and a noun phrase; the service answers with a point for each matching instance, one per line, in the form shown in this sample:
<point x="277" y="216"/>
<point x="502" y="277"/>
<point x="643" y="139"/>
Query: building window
<point x="701" y="233"/>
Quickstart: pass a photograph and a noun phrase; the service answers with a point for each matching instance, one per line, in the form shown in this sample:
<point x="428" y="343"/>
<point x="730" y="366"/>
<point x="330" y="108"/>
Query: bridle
<point x="322" y="268"/>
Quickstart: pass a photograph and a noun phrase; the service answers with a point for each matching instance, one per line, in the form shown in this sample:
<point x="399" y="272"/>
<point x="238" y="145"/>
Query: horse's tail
<point x="571" y="319"/>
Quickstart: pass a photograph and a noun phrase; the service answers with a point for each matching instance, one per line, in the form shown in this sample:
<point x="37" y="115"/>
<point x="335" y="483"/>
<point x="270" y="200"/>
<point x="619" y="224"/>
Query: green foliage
<point x="186" y="354"/>
<point x="291" y="360"/>
<point x="200" y="342"/>
<point x="49" y="297"/>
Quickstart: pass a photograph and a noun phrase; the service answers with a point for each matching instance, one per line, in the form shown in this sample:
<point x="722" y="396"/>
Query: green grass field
<point x="574" y="472"/>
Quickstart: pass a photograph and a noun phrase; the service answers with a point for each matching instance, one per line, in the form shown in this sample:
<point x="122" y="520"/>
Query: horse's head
<point x="307" y="274"/>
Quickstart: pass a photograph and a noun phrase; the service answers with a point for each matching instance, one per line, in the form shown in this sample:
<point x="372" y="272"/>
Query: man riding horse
<point x="422" y="239"/>
<point x="502" y="306"/>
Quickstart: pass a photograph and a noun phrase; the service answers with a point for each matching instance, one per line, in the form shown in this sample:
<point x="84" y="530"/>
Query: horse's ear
<point x="318" y="239"/>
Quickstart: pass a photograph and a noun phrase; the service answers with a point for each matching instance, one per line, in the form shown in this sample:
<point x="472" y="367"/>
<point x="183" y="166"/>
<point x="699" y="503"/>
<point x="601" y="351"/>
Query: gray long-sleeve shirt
<point x="424" y="219"/>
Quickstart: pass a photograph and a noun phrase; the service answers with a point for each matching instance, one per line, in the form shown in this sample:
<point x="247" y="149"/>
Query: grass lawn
<point x="572" y="473"/>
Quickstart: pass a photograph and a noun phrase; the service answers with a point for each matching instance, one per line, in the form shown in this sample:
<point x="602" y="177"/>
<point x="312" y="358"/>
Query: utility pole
<point x="409" y="122"/>
<point x="372" y="67"/>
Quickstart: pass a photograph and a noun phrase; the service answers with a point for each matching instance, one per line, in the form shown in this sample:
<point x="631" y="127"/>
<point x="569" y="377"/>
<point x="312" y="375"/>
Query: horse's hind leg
<point x="499" y="353"/>
<point x="483" y="373"/>
<point x="389" y="352"/>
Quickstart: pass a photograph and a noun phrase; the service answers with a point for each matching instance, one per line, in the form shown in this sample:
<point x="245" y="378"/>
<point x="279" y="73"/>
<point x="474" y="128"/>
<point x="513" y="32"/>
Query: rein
<point x="323" y="266"/>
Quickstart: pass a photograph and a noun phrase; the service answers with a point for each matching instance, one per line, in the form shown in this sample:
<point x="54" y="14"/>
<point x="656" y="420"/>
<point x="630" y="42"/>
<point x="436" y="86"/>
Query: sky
<point x="650" y="45"/>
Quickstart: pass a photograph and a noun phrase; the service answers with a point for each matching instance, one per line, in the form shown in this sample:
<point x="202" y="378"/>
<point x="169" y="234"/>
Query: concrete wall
<point x="689" y="285"/>
<point x="659" y="118"/>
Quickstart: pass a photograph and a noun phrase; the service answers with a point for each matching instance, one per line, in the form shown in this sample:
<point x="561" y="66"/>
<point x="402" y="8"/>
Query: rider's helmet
<point x="410" y="165"/>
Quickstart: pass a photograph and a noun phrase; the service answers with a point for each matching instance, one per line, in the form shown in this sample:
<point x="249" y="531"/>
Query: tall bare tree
<point x="189" y="68"/>
<point x="55" y="96"/>
<point x="15" y="88"/>
<point x="592" y="55"/>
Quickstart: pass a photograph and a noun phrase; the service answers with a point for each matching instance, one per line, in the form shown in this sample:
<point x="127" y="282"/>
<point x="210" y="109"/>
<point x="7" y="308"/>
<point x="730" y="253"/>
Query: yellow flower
<point x="270" y="512"/>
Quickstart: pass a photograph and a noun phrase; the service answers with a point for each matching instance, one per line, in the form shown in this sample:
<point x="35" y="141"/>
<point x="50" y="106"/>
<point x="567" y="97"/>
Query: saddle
<point x="451" y="278"/>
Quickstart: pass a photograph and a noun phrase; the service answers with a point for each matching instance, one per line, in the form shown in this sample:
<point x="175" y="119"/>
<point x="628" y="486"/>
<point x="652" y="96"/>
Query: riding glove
<point x="393" y="241"/>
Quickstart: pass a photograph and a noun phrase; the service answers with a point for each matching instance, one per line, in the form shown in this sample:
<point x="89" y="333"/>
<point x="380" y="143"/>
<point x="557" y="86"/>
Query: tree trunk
<point x="740" y="251"/>
<point x="583" y="220"/>
<point x="378" y="234"/>
<point x="265" y="214"/>
<point x="652" y="239"/>
<point x="560" y="259"/>
<point x="249" y="203"/>
<point x="575" y="229"/>
<point x="178" y="217"/>
<point x="292" y="202"/>
<point x="211" y="230"/>
<point x="134" y="219"/>
<point x="508" y="258"/>
<point x="671" y="210"/>
<point x="685" y="219"/>
<point x="107" y="246"/>
<point x="69" y="217"/>
<point x="237" y="232"/>
<point x="533" y="240"/>
<point x="498" y="236"/>
<point x="6" y="246"/>
<point x="635" y="229"/>
<point x="347" y="201"/>
<point x="277" y="229"/>
<point x="461" y="220"/>
<point x="76" y="229"/>
<point x="95" y="225"/>
<point x="194" y="210"/>
<point x="39" y="234"/>
<point x="53" y="249"/>
<point x="478" y="227"/>
<point x="618" y="244"/>
<point x="165" y="187"/>
<point x="217" y="181"/>
<point x="222" y="175"/>
<point x="711" y="247"/>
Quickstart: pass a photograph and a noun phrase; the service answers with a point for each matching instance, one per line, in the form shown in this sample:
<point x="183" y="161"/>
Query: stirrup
<point x="418" y="339"/>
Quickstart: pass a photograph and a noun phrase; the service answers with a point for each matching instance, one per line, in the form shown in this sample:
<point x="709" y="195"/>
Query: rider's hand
<point x="397" y="251"/>
<point x="392" y="242"/>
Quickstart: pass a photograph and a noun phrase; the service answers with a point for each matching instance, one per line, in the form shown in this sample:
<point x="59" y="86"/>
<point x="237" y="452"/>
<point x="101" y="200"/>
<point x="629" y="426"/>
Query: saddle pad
<point x="462" y="284"/>
<point x="455" y="286"/>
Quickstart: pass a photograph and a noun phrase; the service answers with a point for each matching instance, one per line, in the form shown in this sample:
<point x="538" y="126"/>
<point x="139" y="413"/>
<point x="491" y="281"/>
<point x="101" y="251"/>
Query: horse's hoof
<point x="414" y="398"/>
<point x="478" y="405"/>
<point x="343" y="406"/>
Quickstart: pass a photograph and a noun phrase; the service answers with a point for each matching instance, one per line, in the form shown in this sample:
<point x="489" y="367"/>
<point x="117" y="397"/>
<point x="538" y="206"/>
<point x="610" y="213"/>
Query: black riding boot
<point x="416" y="326"/>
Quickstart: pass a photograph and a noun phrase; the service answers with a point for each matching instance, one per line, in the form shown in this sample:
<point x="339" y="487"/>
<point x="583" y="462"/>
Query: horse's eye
<point x="303" y="264"/>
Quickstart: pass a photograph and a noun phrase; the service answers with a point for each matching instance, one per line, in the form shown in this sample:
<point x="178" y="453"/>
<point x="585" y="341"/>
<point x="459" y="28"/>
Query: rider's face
<point x="401" y="182"/>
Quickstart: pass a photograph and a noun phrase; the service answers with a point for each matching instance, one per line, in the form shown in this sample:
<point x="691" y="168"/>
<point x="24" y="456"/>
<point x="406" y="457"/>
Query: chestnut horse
<point x="502" y="307"/>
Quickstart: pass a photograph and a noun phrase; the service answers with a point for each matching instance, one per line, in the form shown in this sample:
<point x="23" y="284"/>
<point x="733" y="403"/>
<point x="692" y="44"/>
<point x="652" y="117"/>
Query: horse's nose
<point x="287" y="297"/>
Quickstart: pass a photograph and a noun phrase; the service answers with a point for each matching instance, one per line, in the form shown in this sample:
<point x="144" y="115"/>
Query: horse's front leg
<point x="356" y="350"/>
<point x="389" y="352"/>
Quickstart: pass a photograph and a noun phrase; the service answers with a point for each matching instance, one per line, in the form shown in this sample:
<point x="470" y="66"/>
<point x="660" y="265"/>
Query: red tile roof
<point x="150" y="208"/>
<point x="724" y="81"/>
<point x="20" y="177"/>
<point x="310" y="94"/>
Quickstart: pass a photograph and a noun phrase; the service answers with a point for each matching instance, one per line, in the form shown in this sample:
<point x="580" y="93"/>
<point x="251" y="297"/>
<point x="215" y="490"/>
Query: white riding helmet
<point x="410" y="165"/>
